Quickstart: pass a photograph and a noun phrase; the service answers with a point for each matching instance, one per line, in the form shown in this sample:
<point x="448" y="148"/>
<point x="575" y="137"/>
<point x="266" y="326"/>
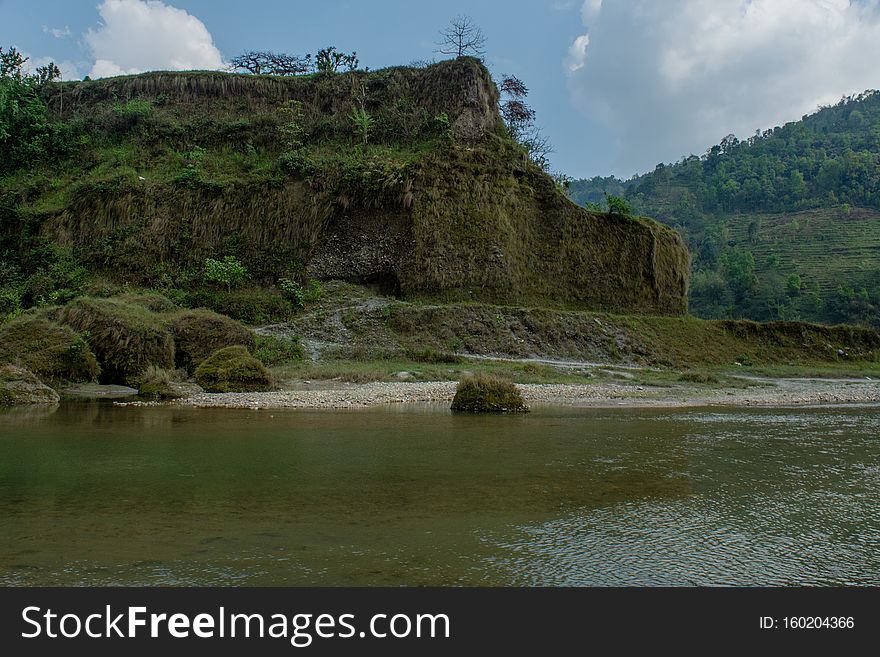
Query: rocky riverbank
<point x="763" y="392"/>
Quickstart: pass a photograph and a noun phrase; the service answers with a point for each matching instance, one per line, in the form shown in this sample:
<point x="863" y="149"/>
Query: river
<point x="96" y="494"/>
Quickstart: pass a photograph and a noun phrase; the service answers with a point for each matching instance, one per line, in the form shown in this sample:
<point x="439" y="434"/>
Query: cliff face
<point x="434" y="201"/>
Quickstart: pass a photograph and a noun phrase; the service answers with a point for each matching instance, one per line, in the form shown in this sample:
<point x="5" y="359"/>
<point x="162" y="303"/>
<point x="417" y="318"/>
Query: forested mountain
<point x="782" y="225"/>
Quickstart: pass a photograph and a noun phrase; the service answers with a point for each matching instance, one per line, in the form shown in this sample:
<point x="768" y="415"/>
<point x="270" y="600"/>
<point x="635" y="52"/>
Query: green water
<point x="96" y="494"/>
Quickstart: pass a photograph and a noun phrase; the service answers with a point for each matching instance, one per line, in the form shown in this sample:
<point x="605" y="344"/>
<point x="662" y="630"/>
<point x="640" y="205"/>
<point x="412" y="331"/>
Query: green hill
<point x="403" y="178"/>
<point x="783" y="225"/>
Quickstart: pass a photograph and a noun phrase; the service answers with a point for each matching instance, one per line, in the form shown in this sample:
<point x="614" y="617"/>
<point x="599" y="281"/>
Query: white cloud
<point x="148" y="35"/>
<point x="577" y="53"/>
<point x="672" y="78"/>
<point x="57" y="32"/>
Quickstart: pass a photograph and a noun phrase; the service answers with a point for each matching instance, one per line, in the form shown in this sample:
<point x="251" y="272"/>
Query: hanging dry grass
<point x="125" y="337"/>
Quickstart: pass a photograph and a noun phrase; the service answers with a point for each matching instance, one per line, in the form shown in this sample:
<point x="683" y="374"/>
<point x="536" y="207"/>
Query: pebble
<point x="782" y="392"/>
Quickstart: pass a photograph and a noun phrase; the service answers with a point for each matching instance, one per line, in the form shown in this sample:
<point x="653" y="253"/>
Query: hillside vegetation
<point x="405" y="179"/>
<point x="783" y="225"/>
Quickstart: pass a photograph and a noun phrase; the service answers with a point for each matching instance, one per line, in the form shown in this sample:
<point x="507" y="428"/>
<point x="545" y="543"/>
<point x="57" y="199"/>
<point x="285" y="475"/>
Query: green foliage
<point x="297" y="294"/>
<point x="228" y="272"/>
<point x="199" y="333"/>
<point x="363" y="124"/>
<point x="292" y="291"/>
<point x="27" y="136"/>
<point x="330" y="60"/>
<point x="617" y="205"/>
<point x="233" y="369"/>
<point x="54" y="352"/>
<point x="10" y="305"/>
<point x="485" y="393"/>
<point x="292" y="129"/>
<point x="272" y="350"/>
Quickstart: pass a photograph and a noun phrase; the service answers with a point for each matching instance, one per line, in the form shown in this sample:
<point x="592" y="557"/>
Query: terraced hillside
<point x="829" y="246"/>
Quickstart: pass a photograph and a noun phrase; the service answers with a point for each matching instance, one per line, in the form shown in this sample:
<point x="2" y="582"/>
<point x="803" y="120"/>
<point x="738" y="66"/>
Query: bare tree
<point x="284" y="64"/>
<point x="252" y="61"/>
<point x="462" y="37"/>
<point x="261" y="62"/>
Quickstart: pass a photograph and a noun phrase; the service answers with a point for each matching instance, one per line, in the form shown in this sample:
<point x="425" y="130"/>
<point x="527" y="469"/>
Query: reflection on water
<point x="96" y="494"/>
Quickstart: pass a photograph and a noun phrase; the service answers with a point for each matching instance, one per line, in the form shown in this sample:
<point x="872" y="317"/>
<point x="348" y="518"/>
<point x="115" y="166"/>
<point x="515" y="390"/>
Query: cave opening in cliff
<point x="384" y="283"/>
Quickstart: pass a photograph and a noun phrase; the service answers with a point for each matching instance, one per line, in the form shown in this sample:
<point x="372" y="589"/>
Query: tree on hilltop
<point x="266" y="62"/>
<point x="462" y="37"/>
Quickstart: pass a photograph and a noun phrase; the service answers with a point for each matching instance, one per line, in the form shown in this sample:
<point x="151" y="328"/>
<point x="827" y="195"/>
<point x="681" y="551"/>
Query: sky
<point x="618" y="86"/>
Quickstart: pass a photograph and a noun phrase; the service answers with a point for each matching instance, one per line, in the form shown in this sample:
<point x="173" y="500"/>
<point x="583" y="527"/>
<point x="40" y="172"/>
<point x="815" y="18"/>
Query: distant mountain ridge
<point x="782" y="225"/>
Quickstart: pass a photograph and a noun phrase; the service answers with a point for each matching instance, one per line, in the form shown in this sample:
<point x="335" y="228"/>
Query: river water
<point x="95" y="494"/>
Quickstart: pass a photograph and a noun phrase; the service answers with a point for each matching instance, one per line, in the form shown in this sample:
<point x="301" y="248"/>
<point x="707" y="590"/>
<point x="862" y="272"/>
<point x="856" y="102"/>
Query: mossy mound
<point x="199" y="333"/>
<point x="233" y="369"/>
<point x="52" y="351"/>
<point x="149" y="300"/>
<point x="127" y="338"/>
<point x="484" y="393"/>
<point x="164" y="384"/>
<point x="19" y="386"/>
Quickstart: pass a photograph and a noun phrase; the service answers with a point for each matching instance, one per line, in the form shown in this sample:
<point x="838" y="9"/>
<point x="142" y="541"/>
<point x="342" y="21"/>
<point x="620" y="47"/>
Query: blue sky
<point x="618" y="86"/>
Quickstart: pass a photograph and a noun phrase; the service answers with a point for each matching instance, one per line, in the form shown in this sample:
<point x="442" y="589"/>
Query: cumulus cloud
<point x="148" y="35"/>
<point x="671" y="78"/>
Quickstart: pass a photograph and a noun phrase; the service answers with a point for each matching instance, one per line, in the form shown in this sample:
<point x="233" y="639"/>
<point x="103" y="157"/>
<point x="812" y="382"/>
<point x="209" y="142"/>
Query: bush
<point x="484" y="393"/>
<point x="273" y="350"/>
<point x="233" y="369"/>
<point x="228" y="272"/>
<point x="126" y="338"/>
<point x="52" y="351"/>
<point x="199" y="333"/>
<point x="250" y="306"/>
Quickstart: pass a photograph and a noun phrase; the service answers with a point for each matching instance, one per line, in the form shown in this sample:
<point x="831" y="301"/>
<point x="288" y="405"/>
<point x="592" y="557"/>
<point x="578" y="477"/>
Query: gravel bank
<point x="776" y="392"/>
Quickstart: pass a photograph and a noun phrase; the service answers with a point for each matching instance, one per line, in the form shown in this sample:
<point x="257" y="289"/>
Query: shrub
<point x="125" y="337"/>
<point x="233" y="369"/>
<point x="250" y="306"/>
<point x="274" y="350"/>
<point x="292" y="291"/>
<point x="199" y="333"/>
<point x="50" y="350"/>
<point x="228" y="272"/>
<point x="484" y="393"/>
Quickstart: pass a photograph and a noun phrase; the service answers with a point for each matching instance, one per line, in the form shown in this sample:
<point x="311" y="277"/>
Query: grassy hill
<point x="783" y="225"/>
<point x="403" y="178"/>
